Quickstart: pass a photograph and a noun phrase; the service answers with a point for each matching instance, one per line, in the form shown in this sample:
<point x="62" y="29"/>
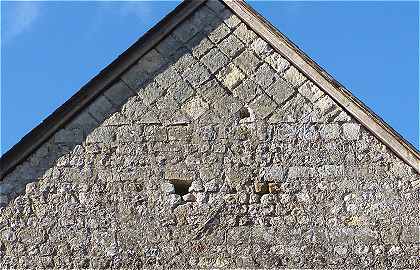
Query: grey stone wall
<point x="212" y="151"/>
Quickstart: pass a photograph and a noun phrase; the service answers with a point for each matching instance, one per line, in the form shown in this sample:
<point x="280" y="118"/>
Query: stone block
<point x="274" y="188"/>
<point x="195" y="107"/>
<point x="262" y="106"/>
<point x="216" y="6"/>
<point x="300" y="172"/>
<point x="178" y="133"/>
<point x="211" y="186"/>
<point x="310" y="91"/>
<point x="294" y="77"/>
<point x="245" y="34"/>
<point x="261" y="48"/>
<point x="174" y="200"/>
<point x="168" y="188"/>
<point x="212" y="91"/>
<point x="275" y="173"/>
<point x="351" y="131"/>
<point x="102" y="135"/>
<point x="330" y="131"/>
<point x="151" y="92"/>
<point x="231" y="76"/>
<point x="227" y="106"/>
<point x="155" y="134"/>
<point x="185" y="31"/>
<point x="151" y="61"/>
<point x="168" y="77"/>
<point x="118" y="93"/>
<point x="230" y="19"/>
<point x="69" y="136"/>
<point x="215" y="60"/>
<point x="219" y="33"/>
<point x="134" y="108"/>
<point x="200" y="45"/>
<point x="183" y="60"/>
<point x="197" y="75"/>
<point x="280" y="91"/>
<point x="231" y="46"/>
<point x="247" y="61"/>
<point x="83" y="121"/>
<point x="168" y="46"/>
<point x="135" y="77"/>
<point x="189" y="197"/>
<point x="277" y="62"/>
<point x="101" y="108"/>
<point x="180" y="91"/>
<point x="265" y="76"/>
<point x="129" y="134"/>
<point x="260" y="188"/>
<point x="246" y="91"/>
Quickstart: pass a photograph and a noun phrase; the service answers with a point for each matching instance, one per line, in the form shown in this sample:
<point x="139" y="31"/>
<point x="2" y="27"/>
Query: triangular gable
<point x="269" y="33"/>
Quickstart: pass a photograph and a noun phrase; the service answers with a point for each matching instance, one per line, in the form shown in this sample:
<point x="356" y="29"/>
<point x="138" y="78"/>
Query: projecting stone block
<point x="245" y="34"/>
<point x="231" y="46"/>
<point x="262" y="106"/>
<point x="151" y="93"/>
<point x="351" y="131"/>
<point x="212" y="91"/>
<point x="218" y="34"/>
<point x="280" y="91"/>
<point x="195" y="107"/>
<point x="215" y="60"/>
<point x="135" y="76"/>
<point x="230" y="19"/>
<point x="310" y="91"/>
<point x="180" y="91"/>
<point x="246" y="91"/>
<point x="247" y="61"/>
<point x="265" y="76"/>
<point x="183" y="60"/>
<point x="261" y="48"/>
<point x="294" y="77"/>
<point x="129" y="133"/>
<point x="196" y="75"/>
<point x="277" y="62"/>
<point x="231" y="76"/>
<point x="227" y="106"/>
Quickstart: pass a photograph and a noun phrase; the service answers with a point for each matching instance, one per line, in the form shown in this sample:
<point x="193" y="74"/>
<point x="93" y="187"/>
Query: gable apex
<point x="301" y="63"/>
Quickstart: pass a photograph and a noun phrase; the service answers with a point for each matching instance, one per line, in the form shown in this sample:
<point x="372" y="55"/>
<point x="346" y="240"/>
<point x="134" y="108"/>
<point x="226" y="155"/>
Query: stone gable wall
<point x="212" y="151"/>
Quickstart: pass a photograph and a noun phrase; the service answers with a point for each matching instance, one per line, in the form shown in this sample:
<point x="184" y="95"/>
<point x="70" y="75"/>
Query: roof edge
<point x="41" y="133"/>
<point x="385" y="133"/>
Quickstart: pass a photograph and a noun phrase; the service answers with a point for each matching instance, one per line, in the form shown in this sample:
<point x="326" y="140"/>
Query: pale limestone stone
<point x="294" y="77"/>
<point x="277" y="62"/>
<point x="195" y="107"/>
<point x="351" y="131"/>
<point x="231" y="76"/>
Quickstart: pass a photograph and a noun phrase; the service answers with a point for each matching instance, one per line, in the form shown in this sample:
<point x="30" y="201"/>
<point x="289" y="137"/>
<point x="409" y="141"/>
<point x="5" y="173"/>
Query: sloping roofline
<point x="36" y="137"/>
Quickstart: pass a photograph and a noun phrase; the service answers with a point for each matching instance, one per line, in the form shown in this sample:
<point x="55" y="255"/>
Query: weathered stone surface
<point x="210" y="60"/>
<point x="231" y="46"/>
<point x="195" y="107"/>
<point x="210" y="172"/>
<point x="263" y="106"/>
<point x="280" y="91"/>
<point x="230" y="76"/>
<point x="118" y="93"/>
<point x="294" y="77"/>
<point x="247" y="61"/>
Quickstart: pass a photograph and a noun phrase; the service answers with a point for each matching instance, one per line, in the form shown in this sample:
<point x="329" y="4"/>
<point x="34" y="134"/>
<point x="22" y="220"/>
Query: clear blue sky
<point x="50" y="49"/>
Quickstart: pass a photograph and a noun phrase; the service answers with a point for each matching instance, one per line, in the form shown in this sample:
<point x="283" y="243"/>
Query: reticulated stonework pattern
<point x="212" y="151"/>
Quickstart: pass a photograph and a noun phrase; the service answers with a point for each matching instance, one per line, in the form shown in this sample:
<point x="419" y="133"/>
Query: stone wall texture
<point x="212" y="151"/>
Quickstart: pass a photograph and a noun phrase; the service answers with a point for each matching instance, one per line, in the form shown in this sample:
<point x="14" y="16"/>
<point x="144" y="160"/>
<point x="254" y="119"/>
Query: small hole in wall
<point x="244" y="114"/>
<point x="181" y="186"/>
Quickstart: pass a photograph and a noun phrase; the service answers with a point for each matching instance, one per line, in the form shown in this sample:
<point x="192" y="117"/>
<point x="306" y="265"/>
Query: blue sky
<point x="50" y="49"/>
